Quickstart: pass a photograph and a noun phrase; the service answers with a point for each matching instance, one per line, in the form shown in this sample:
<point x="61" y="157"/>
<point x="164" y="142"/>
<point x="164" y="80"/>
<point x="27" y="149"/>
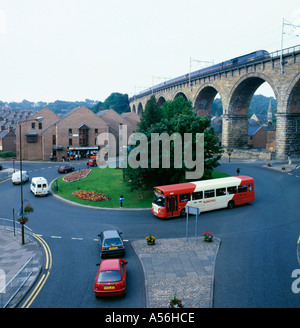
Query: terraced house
<point x="74" y="133"/>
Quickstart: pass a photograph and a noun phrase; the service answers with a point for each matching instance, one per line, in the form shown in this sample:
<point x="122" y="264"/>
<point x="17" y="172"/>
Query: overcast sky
<point x="78" y="49"/>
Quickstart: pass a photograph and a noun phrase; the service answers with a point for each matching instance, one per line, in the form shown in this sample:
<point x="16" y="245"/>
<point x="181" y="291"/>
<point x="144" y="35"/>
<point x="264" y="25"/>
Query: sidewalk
<point x="13" y="256"/>
<point x="177" y="267"/>
<point x="283" y="166"/>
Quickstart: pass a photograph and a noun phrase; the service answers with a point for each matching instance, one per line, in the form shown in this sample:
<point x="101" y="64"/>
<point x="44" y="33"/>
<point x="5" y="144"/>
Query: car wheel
<point x="231" y="204"/>
<point x="183" y="213"/>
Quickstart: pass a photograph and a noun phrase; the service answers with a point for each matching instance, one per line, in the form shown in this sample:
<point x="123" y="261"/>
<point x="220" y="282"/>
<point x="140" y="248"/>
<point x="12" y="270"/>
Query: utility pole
<point x="284" y="22"/>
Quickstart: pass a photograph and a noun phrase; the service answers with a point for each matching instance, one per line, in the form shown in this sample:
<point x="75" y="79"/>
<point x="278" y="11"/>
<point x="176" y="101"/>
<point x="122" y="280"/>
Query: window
<point x="40" y="126"/>
<point x="209" y="193"/>
<point x="70" y="132"/>
<point x="70" y="142"/>
<point x="197" y="195"/>
<point x="33" y="125"/>
<point x="242" y="188"/>
<point x="220" y="192"/>
<point x="96" y="132"/>
<point x="31" y="137"/>
<point x="231" y="190"/>
<point x="158" y="199"/>
<point x="184" y="197"/>
<point x="54" y="139"/>
<point x="250" y="187"/>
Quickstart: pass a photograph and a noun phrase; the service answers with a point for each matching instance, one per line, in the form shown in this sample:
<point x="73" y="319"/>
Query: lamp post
<point x="22" y="221"/>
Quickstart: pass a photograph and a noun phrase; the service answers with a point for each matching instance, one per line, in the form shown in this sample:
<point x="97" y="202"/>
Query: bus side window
<point x="209" y="193"/>
<point x="231" y="190"/>
<point x="242" y="188"/>
<point x="184" y="197"/>
<point x="220" y="192"/>
<point x="197" y="195"/>
<point x="250" y="187"/>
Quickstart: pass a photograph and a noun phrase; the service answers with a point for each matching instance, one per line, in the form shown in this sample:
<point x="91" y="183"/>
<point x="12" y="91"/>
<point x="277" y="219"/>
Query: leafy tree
<point x="151" y="115"/>
<point x="117" y="101"/>
<point x="176" y="117"/>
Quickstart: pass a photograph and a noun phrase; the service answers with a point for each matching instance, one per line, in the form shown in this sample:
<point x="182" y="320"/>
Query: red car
<point x="65" y="169"/>
<point x="111" y="278"/>
<point x="92" y="162"/>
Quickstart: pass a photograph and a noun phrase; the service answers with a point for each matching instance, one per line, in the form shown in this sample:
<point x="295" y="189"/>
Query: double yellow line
<point x="44" y="277"/>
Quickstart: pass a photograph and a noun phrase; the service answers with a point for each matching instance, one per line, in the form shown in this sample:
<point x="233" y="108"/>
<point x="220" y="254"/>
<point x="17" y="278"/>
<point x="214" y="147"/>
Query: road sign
<point x="195" y="211"/>
<point x="192" y="210"/>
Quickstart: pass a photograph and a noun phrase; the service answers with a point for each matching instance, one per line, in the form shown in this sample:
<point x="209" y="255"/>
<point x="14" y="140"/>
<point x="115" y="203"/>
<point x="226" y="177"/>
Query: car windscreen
<point x="112" y="242"/>
<point x="109" y="276"/>
<point x="158" y="199"/>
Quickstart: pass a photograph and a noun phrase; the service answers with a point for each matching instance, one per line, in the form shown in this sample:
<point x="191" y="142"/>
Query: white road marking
<point x="57" y="237"/>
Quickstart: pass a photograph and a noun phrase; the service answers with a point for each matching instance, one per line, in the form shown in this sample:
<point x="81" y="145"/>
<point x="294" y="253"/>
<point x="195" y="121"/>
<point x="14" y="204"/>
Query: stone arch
<point x="235" y="116"/>
<point x="292" y="102"/>
<point x="204" y="100"/>
<point x="288" y="122"/>
<point x="241" y="94"/>
<point x="133" y="109"/>
<point x="140" y="109"/>
<point x="161" y="100"/>
<point x="178" y="94"/>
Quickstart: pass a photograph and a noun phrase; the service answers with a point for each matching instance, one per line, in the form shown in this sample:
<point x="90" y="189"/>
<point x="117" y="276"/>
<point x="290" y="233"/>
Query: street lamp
<point x="38" y="119"/>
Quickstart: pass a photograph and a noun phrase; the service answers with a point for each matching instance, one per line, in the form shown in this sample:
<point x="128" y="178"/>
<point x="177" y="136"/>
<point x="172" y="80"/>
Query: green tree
<point x="151" y="115"/>
<point x="117" y="101"/>
<point x="176" y="117"/>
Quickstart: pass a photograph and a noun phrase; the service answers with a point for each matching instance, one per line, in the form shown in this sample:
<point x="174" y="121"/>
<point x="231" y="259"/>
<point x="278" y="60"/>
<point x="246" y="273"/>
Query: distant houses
<point x="75" y="132"/>
<point x="58" y="137"/>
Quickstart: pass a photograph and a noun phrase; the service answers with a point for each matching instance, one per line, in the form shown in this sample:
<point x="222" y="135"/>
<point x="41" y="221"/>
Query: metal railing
<point x="11" y="289"/>
<point x="287" y="51"/>
<point x="5" y="174"/>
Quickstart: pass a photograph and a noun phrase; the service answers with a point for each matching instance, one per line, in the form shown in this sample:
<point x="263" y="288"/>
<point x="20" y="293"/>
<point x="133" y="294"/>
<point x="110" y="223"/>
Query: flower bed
<point x="77" y="175"/>
<point x="90" y="195"/>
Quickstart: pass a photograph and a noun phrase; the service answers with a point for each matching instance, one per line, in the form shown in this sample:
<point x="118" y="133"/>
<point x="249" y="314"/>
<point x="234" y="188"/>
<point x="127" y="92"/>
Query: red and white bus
<point x="207" y="195"/>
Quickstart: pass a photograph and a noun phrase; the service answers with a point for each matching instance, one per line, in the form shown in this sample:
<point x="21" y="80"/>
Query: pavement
<point x="171" y="266"/>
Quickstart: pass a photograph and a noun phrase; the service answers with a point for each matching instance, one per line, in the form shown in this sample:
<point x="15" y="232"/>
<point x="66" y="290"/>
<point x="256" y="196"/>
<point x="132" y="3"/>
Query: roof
<point x="110" y="264"/>
<point x="110" y="233"/>
<point x="202" y="184"/>
<point x="253" y="129"/>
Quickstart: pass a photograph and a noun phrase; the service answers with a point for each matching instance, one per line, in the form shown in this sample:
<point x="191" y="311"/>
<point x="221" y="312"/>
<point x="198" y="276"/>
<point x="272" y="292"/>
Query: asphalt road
<point x="254" y="265"/>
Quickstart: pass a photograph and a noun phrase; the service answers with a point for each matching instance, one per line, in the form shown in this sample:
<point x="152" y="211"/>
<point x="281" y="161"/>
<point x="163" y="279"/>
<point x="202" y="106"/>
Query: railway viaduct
<point x="236" y="87"/>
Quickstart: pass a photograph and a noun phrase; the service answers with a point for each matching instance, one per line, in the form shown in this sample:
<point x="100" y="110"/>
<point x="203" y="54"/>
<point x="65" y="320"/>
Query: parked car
<point x="16" y="177"/>
<point x="111" y="243"/>
<point x="111" y="278"/>
<point x="65" y="169"/>
<point x="92" y="162"/>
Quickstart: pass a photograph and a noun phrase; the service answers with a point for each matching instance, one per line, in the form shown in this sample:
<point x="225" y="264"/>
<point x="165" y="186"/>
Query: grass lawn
<point x="108" y="181"/>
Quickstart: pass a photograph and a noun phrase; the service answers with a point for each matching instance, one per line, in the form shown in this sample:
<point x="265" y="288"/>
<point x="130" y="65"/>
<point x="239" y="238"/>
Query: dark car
<point x="65" y="169"/>
<point x="111" y="278"/>
<point x="111" y="243"/>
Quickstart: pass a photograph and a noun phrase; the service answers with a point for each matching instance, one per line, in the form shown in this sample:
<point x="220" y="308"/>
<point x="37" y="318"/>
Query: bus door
<point x="242" y="194"/>
<point x="172" y="205"/>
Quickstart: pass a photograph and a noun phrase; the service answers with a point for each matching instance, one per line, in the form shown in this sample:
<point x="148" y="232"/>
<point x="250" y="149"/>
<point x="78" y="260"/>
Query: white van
<point x="16" y="177"/>
<point x="39" y="186"/>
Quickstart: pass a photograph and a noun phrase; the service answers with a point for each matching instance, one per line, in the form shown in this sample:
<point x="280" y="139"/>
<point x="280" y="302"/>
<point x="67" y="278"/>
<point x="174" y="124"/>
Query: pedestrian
<point x="237" y="171"/>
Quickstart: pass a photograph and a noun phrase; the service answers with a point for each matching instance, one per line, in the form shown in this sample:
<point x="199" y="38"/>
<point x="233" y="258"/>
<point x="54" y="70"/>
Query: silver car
<point x="111" y="243"/>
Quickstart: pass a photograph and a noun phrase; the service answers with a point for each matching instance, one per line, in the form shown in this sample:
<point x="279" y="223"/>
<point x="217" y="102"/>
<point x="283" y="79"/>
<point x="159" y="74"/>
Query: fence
<point x="11" y="289"/>
<point x="6" y="174"/>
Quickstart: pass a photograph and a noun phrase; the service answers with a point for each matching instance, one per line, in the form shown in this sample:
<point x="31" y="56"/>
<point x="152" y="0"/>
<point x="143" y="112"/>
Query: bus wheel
<point x="183" y="213"/>
<point x="231" y="204"/>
